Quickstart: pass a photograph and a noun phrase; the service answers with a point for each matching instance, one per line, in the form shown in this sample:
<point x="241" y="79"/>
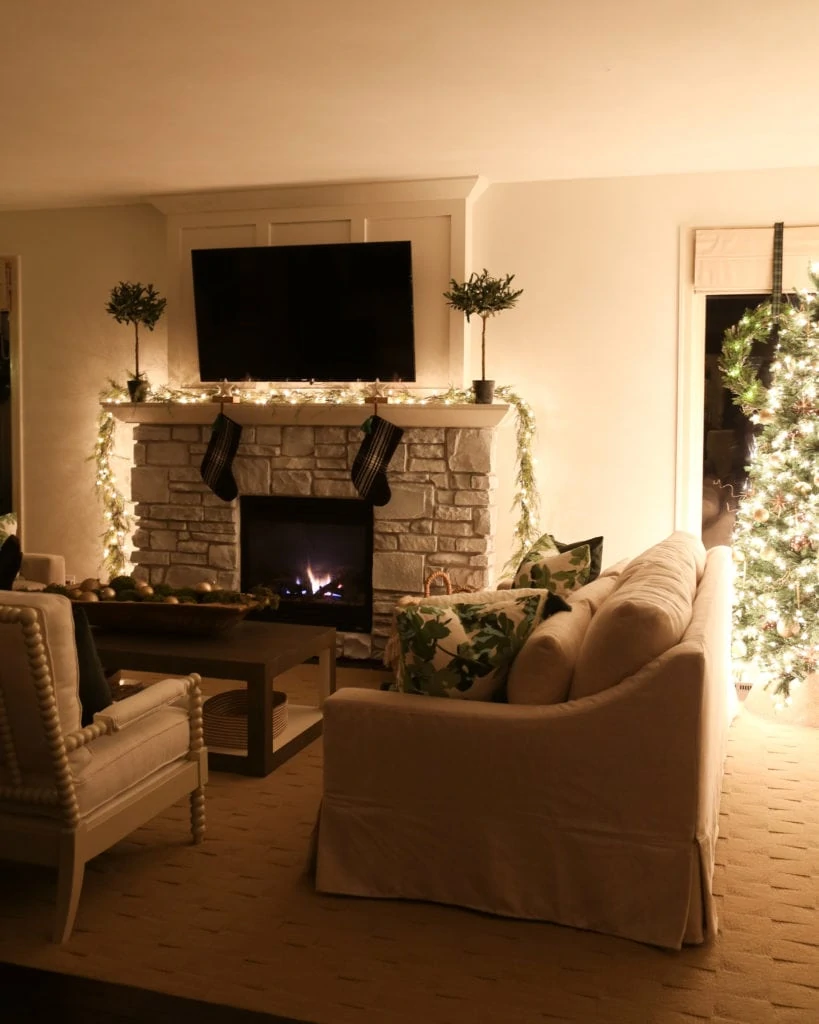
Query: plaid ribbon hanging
<point x="776" y="288"/>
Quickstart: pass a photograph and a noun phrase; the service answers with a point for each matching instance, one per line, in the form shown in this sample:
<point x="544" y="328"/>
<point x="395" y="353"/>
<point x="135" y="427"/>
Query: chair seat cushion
<point x="125" y="758"/>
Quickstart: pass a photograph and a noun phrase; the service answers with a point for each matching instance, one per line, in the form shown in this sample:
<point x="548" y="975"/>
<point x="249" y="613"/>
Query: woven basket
<point x="438" y="575"/>
<point x="225" y="718"/>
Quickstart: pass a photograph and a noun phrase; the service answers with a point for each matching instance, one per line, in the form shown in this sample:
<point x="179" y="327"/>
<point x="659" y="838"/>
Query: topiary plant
<point x="137" y="304"/>
<point x="484" y="296"/>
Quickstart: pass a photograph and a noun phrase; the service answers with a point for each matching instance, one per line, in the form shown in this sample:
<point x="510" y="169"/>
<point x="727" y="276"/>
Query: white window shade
<point x="740" y="260"/>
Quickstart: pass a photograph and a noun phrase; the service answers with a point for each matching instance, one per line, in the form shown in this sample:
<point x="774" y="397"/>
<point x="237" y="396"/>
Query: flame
<point x="317" y="582"/>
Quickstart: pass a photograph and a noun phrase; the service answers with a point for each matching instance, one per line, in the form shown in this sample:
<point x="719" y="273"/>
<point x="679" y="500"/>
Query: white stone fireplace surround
<point x="441" y="516"/>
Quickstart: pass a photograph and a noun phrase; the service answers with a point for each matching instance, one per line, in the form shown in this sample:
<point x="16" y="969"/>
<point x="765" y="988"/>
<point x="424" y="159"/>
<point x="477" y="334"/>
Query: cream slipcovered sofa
<point x="598" y="811"/>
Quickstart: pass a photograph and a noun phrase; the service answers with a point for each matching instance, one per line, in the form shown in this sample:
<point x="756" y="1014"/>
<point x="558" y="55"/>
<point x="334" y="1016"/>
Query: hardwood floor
<point x="29" y="994"/>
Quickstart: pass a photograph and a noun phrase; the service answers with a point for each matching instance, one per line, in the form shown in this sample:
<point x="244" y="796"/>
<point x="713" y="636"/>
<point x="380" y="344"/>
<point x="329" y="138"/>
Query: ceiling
<point x="111" y="100"/>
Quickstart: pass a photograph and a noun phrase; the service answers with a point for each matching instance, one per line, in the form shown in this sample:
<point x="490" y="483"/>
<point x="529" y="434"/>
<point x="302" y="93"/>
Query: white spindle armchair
<point x="67" y="793"/>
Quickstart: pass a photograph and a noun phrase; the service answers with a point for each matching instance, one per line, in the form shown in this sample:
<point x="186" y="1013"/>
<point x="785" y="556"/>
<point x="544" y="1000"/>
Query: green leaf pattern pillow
<point x="8" y="525"/>
<point x="558" y="572"/>
<point x="464" y="650"/>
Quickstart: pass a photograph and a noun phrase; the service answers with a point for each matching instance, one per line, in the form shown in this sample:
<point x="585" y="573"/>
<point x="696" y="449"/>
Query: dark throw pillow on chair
<point x="95" y="693"/>
<point x="11" y="558"/>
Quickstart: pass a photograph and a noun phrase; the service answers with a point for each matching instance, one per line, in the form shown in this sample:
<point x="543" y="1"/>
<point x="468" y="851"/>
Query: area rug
<point x="236" y="919"/>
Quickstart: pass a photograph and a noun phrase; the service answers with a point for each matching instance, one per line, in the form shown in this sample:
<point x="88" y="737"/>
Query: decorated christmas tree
<point x="776" y="536"/>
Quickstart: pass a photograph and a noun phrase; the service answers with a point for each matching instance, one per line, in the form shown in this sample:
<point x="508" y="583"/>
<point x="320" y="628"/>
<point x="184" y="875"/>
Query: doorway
<point x="10" y="439"/>
<point x="727" y="432"/>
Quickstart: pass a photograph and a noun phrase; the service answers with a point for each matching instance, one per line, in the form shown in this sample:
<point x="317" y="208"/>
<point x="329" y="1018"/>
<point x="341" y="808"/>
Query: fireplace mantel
<point x="326" y="414"/>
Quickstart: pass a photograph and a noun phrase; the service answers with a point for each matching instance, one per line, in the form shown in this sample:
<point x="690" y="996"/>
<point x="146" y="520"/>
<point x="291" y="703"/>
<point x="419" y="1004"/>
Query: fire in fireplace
<point x="315" y="553"/>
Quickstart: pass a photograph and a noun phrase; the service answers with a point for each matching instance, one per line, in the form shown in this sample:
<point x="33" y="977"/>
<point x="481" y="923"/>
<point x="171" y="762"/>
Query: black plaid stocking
<point x="373" y="457"/>
<point x="218" y="459"/>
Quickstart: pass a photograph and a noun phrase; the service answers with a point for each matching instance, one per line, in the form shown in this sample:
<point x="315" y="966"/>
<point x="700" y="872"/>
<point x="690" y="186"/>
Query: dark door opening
<point x="727" y="432"/>
<point x="315" y="553"/>
<point x="5" y="411"/>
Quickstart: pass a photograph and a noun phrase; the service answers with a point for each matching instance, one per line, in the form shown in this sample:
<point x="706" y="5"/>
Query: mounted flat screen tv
<point x="339" y="312"/>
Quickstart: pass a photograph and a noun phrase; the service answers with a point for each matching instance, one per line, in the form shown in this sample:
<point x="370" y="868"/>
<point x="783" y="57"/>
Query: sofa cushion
<point x="464" y="650"/>
<point x="560" y="573"/>
<point x="616" y="568"/>
<point x="542" y="672"/>
<point x="594" y="593"/>
<point x="646" y="615"/>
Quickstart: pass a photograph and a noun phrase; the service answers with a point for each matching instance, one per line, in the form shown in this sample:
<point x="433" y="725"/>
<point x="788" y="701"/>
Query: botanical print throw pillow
<point x="595" y="548"/>
<point x="8" y="525"/>
<point x="560" y="573"/>
<point x="464" y="650"/>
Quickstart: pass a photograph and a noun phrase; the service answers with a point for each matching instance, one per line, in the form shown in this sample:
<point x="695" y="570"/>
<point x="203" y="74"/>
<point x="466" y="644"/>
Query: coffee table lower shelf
<point x="255" y="653"/>
<point x="303" y="726"/>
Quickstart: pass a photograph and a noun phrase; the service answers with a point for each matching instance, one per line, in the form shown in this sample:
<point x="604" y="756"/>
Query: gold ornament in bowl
<point x="127" y="604"/>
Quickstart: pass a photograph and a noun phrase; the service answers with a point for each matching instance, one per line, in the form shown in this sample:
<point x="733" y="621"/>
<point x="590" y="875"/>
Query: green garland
<point x="117" y="520"/>
<point x="118" y="523"/>
<point x="739" y="375"/>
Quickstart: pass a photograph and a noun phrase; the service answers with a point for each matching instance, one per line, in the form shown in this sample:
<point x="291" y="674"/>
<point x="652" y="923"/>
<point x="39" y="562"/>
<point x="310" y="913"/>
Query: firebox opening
<point x="315" y="553"/>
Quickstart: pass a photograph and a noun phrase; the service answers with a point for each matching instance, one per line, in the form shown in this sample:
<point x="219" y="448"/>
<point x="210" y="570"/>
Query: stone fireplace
<point x="441" y="515"/>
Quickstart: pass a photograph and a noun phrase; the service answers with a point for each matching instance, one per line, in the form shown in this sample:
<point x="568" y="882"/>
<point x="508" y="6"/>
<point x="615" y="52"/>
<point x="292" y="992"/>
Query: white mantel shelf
<point x="311" y="414"/>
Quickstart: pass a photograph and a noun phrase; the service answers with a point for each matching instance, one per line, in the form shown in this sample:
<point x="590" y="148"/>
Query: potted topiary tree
<point x="142" y="306"/>
<point x="483" y="296"/>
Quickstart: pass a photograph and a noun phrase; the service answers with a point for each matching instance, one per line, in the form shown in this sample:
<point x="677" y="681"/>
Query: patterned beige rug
<point x="235" y="920"/>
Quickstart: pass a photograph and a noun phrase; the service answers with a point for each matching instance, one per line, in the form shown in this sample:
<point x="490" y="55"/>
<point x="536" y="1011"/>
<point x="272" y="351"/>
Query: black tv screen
<point x="340" y="312"/>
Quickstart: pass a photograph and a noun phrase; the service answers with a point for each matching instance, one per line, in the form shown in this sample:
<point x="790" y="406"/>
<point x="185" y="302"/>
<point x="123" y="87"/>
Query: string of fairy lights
<point x="118" y="521"/>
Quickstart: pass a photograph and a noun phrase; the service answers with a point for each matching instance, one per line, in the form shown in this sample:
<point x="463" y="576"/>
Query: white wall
<point x="592" y="344"/>
<point x="70" y="259"/>
<point x="593" y="341"/>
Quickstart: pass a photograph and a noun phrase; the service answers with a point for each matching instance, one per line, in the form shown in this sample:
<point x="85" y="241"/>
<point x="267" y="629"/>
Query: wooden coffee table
<point x="256" y="652"/>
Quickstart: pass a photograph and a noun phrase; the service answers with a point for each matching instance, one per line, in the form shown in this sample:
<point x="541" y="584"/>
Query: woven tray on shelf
<point x="158" y="617"/>
<point x="225" y="718"/>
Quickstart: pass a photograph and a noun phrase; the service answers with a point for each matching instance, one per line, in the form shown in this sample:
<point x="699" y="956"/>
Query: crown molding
<point x="332" y="194"/>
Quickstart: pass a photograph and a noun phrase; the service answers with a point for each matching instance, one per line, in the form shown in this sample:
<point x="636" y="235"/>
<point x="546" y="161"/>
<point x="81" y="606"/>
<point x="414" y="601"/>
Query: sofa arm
<point x="624" y="760"/>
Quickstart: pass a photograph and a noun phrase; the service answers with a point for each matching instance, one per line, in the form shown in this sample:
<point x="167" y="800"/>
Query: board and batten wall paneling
<point x="430" y="238"/>
<point x="434" y="215"/>
<point x="183" y="361"/>
<point x="308" y="232"/>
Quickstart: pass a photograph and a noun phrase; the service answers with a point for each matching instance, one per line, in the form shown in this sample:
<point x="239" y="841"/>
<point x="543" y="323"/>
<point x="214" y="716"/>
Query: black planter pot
<point x="484" y="391"/>
<point x="138" y="389"/>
